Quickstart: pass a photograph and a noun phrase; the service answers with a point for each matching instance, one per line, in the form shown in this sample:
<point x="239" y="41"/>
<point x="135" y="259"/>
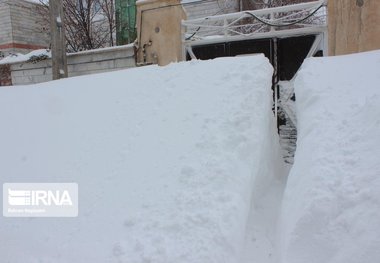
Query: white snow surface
<point x="17" y="58"/>
<point x="172" y="164"/>
<point x="331" y="206"/>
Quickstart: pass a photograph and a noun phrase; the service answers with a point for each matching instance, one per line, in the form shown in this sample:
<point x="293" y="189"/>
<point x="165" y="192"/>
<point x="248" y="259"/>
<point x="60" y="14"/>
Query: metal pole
<point x="275" y="78"/>
<point x="58" y="41"/>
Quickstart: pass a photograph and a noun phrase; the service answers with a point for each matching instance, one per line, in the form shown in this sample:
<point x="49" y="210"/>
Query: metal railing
<point x="284" y="21"/>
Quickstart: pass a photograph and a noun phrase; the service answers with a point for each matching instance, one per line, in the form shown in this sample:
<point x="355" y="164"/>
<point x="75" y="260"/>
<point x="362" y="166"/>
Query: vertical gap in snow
<point x="268" y="188"/>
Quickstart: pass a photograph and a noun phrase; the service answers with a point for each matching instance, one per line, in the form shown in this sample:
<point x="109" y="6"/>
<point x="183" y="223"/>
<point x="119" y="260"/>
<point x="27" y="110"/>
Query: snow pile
<point x="331" y="209"/>
<point x="165" y="159"/>
<point x="42" y="54"/>
<point x="32" y="56"/>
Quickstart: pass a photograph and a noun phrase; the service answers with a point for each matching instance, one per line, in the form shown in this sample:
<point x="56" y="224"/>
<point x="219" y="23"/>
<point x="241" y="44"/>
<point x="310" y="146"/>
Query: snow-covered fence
<point x="285" y="21"/>
<point x="30" y="71"/>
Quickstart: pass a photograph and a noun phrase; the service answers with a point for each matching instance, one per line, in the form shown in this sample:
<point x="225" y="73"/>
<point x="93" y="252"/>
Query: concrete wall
<point x="354" y="26"/>
<point x="81" y="63"/>
<point x="159" y="36"/>
<point x="197" y="9"/>
<point x="21" y="27"/>
<point x="159" y="31"/>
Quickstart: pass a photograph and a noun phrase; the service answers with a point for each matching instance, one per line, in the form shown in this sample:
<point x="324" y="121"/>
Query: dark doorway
<point x="290" y="52"/>
<point x="231" y="49"/>
<point x="285" y="54"/>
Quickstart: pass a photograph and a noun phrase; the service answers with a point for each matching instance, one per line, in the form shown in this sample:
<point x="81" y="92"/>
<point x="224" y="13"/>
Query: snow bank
<point x="331" y="209"/>
<point x="31" y="56"/>
<point x="42" y="54"/>
<point x="165" y="158"/>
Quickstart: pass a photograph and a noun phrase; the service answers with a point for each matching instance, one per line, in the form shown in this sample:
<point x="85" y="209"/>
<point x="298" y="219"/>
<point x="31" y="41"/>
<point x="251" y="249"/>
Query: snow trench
<point x="331" y="206"/>
<point x="174" y="164"/>
<point x="182" y="164"/>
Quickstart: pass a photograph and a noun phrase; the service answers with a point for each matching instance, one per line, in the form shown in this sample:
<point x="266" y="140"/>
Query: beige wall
<point x="354" y="26"/>
<point x="159" y="31"/>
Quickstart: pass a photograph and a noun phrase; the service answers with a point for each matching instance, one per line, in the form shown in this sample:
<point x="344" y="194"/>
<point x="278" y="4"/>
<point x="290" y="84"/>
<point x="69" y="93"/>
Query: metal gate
<point x="286" y="35"/>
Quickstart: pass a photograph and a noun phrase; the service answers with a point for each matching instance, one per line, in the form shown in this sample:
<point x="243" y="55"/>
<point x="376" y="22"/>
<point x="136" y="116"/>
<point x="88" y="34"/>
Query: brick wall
<point x="21" y="27"/>
<point x="5" y="24"/>
<point x="5" y="75"/>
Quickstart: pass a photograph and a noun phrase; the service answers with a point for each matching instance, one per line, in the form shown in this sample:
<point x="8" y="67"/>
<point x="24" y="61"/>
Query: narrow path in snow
<point x="266" y="200"/>
<point x="262" y="229"/>
<point x="262" y="232"/>
<point x="287" y="127"/>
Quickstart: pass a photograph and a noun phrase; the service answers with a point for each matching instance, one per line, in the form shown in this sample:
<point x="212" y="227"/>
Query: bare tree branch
<point x="89" y="24"/>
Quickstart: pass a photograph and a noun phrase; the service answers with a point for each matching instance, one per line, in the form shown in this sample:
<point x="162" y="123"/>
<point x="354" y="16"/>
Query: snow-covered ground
<point x="173" y="164"/>
<point x="182" y="164"/>
<point x="331" y="207"/>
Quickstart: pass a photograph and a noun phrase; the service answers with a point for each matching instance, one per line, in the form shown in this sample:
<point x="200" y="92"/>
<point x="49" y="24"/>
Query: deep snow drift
<point x="331" y="209"/>
<point x="167" y="161"/>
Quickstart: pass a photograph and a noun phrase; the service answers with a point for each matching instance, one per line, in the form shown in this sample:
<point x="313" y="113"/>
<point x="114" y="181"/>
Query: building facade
<point x="354" y="26"/>
<point x="21" y="28"/>
<point x="196" y="9"/>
